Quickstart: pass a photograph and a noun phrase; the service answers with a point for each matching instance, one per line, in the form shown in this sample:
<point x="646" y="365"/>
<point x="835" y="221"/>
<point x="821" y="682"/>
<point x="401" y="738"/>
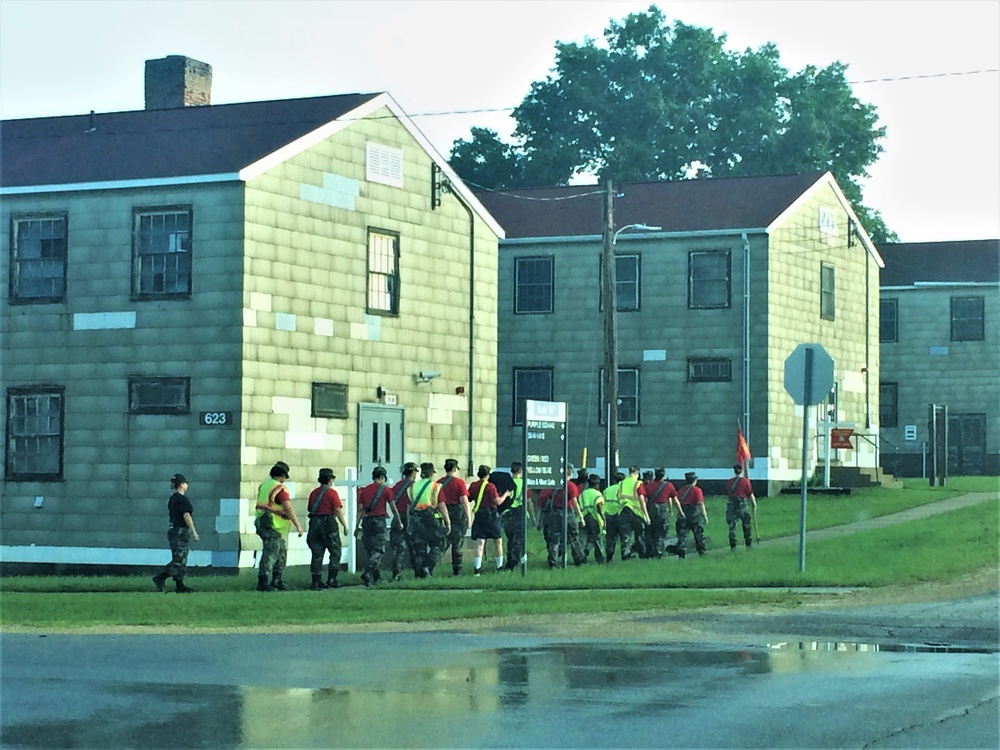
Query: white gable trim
<point x="359" y="113"/>
<point x="827" y="180"/>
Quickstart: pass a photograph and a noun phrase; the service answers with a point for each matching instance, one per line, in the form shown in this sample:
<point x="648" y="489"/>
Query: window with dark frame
<point x="34" y="434"/>
<point x="38" y="258"/>
<point x="530" y="383"/>
<point x="709" y="369"/>
<point x="329" y="400"/>
<point x="161" y="252"/>
<point x="708" y="279"/>
<point x="533" y="284"/>
<point x="968" y="318"/>
<point x="888" y="404"/>
<point x="159" y="395"/>
<point x="888" y="324"/>
<point x="827" y="292"/>
<point x="628" y="396"/>
<point x="383" y="272"/>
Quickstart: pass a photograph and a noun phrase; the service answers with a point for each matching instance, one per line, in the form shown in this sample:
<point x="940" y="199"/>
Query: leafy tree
<point x="665" y="102"/>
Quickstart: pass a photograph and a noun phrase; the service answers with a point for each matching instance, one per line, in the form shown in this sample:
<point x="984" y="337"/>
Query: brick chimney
<point x="177" y="81"/>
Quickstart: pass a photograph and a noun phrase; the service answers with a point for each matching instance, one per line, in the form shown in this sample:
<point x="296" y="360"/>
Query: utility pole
<point x="610" y="332"/>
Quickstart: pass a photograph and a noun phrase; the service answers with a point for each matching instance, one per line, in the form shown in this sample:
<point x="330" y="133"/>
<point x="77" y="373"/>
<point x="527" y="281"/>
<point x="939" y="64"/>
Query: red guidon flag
<point x="742" y="449"/>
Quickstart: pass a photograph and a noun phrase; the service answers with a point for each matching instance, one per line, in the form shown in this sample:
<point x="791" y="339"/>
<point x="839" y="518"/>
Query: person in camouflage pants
<point x="591" y="505"/>
<point x="400" y="549"/>
<point x="428" y="526"/>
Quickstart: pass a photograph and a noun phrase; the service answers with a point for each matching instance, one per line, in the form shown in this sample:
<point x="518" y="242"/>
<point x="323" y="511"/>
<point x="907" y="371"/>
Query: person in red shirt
<point x="486" y="519"/>
<point x="659" y="492"/>
<point x="739" y="500"/>
<point x="692" y="517"/>
<point x="559" y="507"/>
<point x="454" y="497"/>
<point x="325" y="510"/>
<point x="399" y="542"/>
<point x="375" y="507"/>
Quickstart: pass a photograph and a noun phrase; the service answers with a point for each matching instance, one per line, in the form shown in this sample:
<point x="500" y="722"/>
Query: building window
<point x="161" y="252"/>
<point x="533" y="282"/>
<point x="827" y="292"/>
<point x="888" y="326"/>
<point x="384" y="164"/>
<point x="383" y="273"/>
<point x="38" y="259"/>
<point x="534" y="383"/>
<point x="34" y="434"/>
<point x="888" y="404"/>
<point x="627" y="271"/>
<point x="148" y="395"/>
<point x="708" y="279"/>
<point x="329" y="400"/>
<point x="628" y="396"/>
<point x="968" y="319"/>
<point x="710" y="369"/>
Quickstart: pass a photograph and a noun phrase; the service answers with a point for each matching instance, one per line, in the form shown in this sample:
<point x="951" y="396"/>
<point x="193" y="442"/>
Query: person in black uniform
<point x="180" y="534"/>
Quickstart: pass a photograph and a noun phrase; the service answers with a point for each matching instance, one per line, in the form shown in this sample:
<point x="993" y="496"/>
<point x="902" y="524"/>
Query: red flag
<point x="742" y="449"/>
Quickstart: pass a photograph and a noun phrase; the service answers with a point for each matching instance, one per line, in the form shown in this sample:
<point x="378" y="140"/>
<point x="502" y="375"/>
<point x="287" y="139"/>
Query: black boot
<point x="262" y="584"/>
<point x="331" y="582"/>
<point x="317" y="583"/>
<point x="277" y="584"/>
<point x="158" y="581"/>
<point x="181" y="588"/>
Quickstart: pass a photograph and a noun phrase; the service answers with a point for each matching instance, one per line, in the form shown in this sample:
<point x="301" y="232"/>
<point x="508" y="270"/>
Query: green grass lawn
<point x="939" y="548"/>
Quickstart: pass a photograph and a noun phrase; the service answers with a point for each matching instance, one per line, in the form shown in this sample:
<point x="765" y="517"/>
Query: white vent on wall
<point x="827" y="220"/>
<point x="384" y="164"/>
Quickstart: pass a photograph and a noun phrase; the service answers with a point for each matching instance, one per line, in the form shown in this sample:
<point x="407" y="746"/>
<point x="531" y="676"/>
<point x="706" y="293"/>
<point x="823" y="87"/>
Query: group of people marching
<point x="419" y="517"/>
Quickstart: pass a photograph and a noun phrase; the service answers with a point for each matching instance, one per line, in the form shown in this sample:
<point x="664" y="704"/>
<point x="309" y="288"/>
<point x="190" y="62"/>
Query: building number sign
<point x="215" y="418"/>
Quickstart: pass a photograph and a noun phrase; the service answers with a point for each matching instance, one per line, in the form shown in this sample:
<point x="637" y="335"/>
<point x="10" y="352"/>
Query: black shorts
<point x="486" y="524"/>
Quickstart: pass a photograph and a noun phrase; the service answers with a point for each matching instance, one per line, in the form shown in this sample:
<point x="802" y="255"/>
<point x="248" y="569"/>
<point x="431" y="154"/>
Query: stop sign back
<point x="808" y="374"/>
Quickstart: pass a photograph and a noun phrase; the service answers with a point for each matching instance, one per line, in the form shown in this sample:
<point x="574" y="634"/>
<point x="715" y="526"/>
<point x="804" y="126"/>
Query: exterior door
<point x="966" y="444"/>
<point x="380" y="441"/>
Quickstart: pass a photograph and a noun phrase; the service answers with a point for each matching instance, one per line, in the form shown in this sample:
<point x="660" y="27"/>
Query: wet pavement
<point x="491" y="689"/>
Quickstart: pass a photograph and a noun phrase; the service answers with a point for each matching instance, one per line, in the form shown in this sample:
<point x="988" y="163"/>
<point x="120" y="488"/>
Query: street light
<point x="611" y="328"/>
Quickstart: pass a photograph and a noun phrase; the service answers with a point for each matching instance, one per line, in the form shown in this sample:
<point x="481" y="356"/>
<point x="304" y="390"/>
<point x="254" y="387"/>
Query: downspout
<point x="746" y="336"/>
<point x="472" y="327"/>
<point x="868" y="323"/>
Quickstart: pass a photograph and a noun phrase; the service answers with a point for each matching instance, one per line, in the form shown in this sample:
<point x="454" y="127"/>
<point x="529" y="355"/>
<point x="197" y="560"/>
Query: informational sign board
<point x="840" y="438"/>
<point x="544" y="444"/>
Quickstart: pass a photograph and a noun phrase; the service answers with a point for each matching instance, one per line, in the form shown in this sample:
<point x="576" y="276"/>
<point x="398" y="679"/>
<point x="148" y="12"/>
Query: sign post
<point x="808" y="379"/>
<point x="545" y="457"/>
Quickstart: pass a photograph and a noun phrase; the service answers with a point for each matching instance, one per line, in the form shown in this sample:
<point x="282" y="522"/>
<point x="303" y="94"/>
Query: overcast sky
<point x="930" y="68"/>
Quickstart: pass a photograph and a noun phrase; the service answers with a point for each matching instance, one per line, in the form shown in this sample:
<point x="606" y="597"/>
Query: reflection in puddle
<point x="899" y="648"/>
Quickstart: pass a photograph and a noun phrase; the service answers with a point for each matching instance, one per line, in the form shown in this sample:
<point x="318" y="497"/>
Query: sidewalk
<point x="929" y="510"/>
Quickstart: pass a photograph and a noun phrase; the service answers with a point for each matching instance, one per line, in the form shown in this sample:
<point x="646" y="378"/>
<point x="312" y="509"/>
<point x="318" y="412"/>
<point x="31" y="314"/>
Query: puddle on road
<point x="899" y="648"/>
<point x="396" y="703"/>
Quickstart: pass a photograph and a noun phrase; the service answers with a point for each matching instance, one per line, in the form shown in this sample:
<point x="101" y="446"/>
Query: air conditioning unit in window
<point x="180" y="242"/>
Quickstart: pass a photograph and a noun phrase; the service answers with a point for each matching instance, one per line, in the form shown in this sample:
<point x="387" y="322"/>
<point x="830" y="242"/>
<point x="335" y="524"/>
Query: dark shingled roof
<point x="148" y="144"/>
<point x="679" y="206"/>
<point x="968" y="260"/>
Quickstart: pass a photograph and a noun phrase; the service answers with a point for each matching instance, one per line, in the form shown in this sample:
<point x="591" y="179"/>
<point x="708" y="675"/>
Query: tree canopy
<point x="659" y="101"/>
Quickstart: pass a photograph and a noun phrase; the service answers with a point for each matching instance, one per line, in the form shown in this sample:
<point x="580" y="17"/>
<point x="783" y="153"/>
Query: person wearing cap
<point x="273" y="518"/>
<point x="633" y="517"/>
<point x="375" y="505"/>
<point x="454" y="496"/>
<point x="612" y="511"/>
<point x="325" y="511"/>
<point x="428" y="524"/>
<point x="739" y="500"/>
<point x="559" y="507"/>
<point x="179" y="535"/>
<point x="693" y="517"/>
<point x="512" y="515"/>
<point x="659" y="492"/>
<point x="400" y="550"/>
<point x="486" y="519"/>
<point x="592" y="507"/>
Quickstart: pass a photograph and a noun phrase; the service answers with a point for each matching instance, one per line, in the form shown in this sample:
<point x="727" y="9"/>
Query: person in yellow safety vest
<point x="273" y="516"/>
<point x="428" y="524"/>
<point x="612" y="511"/>
<point x="512" y="517"/>
<point x="592" y="507"/>
<point x="634" y="517"/>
